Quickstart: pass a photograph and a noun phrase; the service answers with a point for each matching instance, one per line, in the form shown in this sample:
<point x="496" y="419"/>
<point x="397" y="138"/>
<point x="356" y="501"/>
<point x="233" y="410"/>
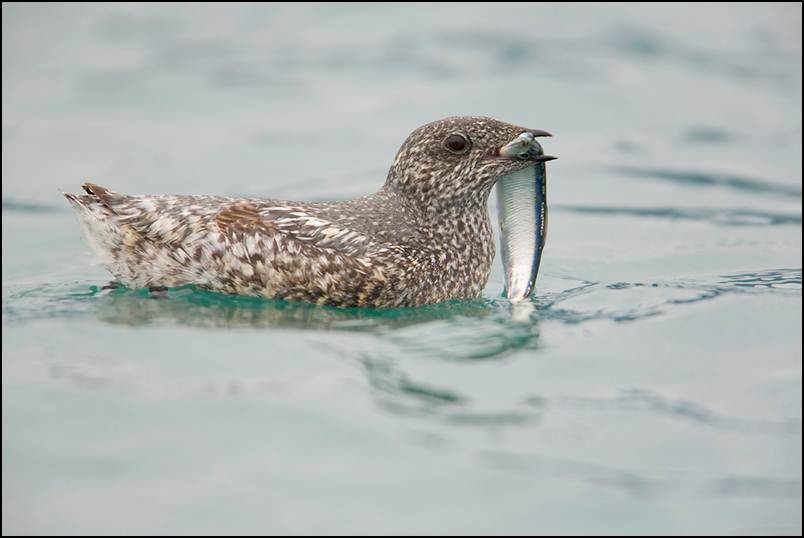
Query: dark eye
<point x="457" y="143"/>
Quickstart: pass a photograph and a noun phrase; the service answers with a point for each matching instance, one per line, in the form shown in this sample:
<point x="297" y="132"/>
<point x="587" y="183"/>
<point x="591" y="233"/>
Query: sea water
<point x="653" y="387"/>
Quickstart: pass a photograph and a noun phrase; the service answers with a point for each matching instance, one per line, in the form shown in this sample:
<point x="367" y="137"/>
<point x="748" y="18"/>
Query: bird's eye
<point x="457" y="143"/>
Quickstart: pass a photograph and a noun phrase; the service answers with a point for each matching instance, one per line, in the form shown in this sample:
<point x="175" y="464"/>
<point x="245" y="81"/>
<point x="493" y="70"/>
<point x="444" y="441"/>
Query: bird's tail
<point x="99" y="223"/>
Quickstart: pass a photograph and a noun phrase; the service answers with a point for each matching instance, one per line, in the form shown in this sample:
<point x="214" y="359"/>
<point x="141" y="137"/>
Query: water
<point x="654" y="385"/>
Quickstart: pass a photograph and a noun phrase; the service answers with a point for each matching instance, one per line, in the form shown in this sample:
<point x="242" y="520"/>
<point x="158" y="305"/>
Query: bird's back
<point x="363" y="252"/>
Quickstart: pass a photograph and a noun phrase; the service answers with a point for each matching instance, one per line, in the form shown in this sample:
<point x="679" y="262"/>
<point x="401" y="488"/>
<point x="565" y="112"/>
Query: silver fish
<point x="522" y="212"/>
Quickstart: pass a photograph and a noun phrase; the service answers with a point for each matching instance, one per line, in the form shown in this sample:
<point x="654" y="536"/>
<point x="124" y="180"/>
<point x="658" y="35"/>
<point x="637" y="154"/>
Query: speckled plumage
<point x="424" y="237"/>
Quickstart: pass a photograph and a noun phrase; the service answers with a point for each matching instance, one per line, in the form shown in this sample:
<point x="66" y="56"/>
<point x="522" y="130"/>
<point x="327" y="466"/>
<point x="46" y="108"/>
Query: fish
<point x="522" y="214"/>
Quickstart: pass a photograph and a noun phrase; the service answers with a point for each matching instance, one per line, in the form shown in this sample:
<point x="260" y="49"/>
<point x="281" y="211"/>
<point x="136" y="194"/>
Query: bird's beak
<point x="525" y="148"/>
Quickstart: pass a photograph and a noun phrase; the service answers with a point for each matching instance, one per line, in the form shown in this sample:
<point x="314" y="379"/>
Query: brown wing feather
<point x="242" y="217"/>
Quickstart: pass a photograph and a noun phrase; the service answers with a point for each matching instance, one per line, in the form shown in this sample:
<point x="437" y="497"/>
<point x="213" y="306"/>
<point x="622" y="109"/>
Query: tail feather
<point x="98" y="222"/>
<point x="104" y="196"/>
<point x="80" y="201"/>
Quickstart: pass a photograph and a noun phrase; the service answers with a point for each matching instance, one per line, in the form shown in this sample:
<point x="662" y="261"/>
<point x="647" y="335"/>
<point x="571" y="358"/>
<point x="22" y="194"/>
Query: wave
<point x="718" y="216"/>
<point x="704" y="179"/>
<point x="490" y="327"/>
<point x="644" y="484"/>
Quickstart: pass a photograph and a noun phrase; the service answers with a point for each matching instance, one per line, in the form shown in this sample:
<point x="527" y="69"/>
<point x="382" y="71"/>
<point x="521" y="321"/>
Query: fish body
<point x="522" y="214"/>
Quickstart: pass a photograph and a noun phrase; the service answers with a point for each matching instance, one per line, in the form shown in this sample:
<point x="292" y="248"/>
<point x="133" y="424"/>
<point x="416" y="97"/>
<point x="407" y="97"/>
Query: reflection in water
<point x="500" y="332"/>
<point x="198" y="308"/>
<point x="488" y="328"/>
<point x="461" y="331"/>
<point x="455" y="331"/>
<point x="458" y="331"/>
<point x="189" y="306"/>
<point x="477" y="320"/>
<point x="398" y="392"/>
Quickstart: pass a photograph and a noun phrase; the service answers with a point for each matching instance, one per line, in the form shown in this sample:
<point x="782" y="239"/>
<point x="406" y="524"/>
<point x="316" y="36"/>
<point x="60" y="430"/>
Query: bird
<point x="424" y="237"/>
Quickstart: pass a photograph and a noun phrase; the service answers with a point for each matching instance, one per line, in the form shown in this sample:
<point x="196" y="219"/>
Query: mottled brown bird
<point x="424" y="237"/>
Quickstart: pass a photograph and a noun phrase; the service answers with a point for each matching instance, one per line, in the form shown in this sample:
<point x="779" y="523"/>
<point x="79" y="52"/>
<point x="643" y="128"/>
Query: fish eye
<point x="457" y="143"/>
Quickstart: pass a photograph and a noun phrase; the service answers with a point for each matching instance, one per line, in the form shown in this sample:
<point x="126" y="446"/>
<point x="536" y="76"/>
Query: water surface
<point x="652" y="386"/>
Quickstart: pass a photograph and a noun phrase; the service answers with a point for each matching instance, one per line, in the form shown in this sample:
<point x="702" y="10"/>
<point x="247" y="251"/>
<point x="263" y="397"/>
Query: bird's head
<point x="455" y="161"/>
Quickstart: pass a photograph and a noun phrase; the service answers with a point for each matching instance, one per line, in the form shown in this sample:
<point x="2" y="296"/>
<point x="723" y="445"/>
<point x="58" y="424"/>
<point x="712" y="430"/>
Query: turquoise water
<point x="652" y="386"/>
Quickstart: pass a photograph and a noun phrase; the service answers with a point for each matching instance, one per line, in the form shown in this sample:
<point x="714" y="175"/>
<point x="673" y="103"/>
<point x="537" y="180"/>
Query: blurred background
<point x="655" y="387"/>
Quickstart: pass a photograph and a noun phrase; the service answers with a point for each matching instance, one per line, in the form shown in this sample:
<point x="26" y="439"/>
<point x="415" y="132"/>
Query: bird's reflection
<point x="454" y="331"/>
<point x="198" y="308"/>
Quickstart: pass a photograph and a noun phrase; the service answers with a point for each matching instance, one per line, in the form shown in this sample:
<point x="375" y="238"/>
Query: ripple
<point x="47" y="301"/>
<point x="774" y="67"/>
<point x="644" y="484"/>
<point x="753" y="486"/>
<point x="641" y="400"/>
<point x="387" y="379"/>
<point x="460" y="332"/>
<point x="704" y="134"/>
<point x="717" y="216"/>
<point x="629" y="147"/>
<point x="703" y="179"/>
<point x="460" y="329"/>
<point x="494" y="335"/>
<point x="786" y="281"/>
<point x="628" y="481"/>
<point x="773" y="279"/>
<point x="190" y="306"/>
<point x="397" y="392"/>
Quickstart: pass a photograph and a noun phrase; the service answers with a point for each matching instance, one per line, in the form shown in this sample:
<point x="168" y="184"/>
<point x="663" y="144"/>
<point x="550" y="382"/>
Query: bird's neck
<point x="463" y="226"/>
<point x="455" y="221"/>
<point x="449" y="214"/>
<point x="453" y="242"/>
<point x="461" y="248"/>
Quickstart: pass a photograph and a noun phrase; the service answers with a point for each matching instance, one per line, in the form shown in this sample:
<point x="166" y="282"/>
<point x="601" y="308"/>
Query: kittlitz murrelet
<point x="424" y="237"/>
